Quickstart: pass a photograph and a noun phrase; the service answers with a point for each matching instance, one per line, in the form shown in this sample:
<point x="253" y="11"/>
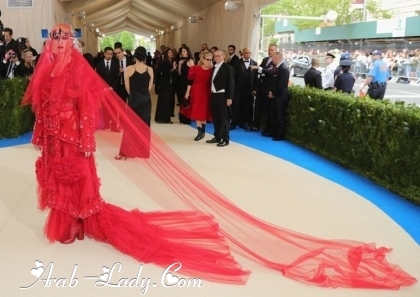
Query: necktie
<point x="9" y="70"/>
<point x="122" y="73"/>
<point x="107" y="66"/>
<point x="247" y="61"/>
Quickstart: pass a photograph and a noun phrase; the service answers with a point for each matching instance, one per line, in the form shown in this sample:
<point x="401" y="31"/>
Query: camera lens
<point x="13" y="55"/>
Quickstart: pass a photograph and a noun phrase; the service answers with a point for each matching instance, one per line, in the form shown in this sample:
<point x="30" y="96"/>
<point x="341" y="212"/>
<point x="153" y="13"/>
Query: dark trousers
<point x="278" y="116"/>
<point x="377" y="92"/>
<point x="261" y="109"/>
<point x="220" y="115"/>
<point x="242" y="107"/>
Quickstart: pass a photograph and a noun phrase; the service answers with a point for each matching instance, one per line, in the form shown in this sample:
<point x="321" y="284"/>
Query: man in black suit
<point x="232" y="56"/>
<point x="123" y="62"/>
<point x="313" y="76"/>
<point x="245" y="79"/>
<point x="222" y="90"/>
<point x="9" y="43"/>
<point x="262" y="104"/>
<point x="278" y="94"/>
<point x="109" y="70"/>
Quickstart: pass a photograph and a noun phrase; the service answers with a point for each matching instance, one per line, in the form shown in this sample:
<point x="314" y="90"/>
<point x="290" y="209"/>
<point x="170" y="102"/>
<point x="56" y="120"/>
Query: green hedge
<point x="14" y="119"/>
<point x="377" y="139"/>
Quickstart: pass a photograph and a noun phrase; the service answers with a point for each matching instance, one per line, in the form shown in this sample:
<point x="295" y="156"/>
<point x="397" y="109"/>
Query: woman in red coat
<point x="198" y="91"/>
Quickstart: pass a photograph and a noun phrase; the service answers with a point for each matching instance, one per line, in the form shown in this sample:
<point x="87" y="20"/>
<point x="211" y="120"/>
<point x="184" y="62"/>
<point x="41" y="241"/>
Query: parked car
<point x="299" y="65"/>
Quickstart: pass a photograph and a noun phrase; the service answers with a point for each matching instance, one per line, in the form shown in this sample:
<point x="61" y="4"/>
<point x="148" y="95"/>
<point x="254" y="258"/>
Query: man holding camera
<point x="9" y="64"/>
<point x="8" y="43"/>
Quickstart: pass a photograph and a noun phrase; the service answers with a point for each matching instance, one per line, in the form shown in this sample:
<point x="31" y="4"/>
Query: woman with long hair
<point x="166" y="96"/>
<point x="185" y="63"/>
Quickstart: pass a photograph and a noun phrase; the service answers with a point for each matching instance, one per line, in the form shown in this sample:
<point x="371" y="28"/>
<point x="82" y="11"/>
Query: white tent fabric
<point x="144" y="17"/>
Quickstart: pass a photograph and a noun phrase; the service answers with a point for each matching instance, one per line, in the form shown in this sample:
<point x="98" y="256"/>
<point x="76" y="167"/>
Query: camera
<point x="13" y="56"/>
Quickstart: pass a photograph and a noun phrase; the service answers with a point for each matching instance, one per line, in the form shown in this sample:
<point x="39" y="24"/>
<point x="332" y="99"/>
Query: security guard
<point x="345" y="81"/>
<point x="328" y="74"/>
<point x="377" y="77"/>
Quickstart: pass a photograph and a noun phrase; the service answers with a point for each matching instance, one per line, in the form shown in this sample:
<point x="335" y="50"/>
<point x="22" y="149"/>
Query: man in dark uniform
<point x="377" y="77"/>
<point x="313" y="76"/>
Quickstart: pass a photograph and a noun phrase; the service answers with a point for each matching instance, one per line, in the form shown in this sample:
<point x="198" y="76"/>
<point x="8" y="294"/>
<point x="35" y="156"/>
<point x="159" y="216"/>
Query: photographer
<point x="26" y="68"/>
<point x="9" y="64"/>
<point x="24" y="44"/>
<point x="8" y="43"/>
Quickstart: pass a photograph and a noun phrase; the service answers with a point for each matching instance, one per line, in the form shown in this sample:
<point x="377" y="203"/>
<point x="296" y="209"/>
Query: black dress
<point x="182" y="89"/>
<point x="139" y="99"/>
<point x="165" y="102"/>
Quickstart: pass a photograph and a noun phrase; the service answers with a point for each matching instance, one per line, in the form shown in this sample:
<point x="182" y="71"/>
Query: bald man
<point x="313" y="77"/>
<point x="245" y="79"/>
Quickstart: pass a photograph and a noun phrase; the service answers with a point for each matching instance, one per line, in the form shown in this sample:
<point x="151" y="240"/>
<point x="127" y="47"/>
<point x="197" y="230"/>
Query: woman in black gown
<point x="166" y="97"/>
<point x="138" y="82"/>
<point x="184" y="64"/>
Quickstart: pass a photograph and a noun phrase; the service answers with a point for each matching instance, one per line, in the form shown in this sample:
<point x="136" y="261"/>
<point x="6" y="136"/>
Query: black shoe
<point x="265" y="134"/>
<point x="251" y="129"/>
<point x="213" y="140"/>
<point x="232" y="127"/>
<point x="223" y="143"/>
<point x="200" y="134"/>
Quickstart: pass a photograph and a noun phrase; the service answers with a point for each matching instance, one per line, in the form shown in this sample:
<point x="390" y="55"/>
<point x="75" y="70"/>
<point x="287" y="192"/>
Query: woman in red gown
<point x="67" y="97"/>
<point x="69" y="186"/>
<point x="198" y="90"/>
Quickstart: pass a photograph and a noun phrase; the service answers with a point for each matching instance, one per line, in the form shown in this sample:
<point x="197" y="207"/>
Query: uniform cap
<point x="376" y="52"/>
<point x="346" y="63"/>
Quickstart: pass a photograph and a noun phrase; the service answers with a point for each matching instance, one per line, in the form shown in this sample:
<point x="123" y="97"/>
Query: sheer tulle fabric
<point x="175" y="186"/>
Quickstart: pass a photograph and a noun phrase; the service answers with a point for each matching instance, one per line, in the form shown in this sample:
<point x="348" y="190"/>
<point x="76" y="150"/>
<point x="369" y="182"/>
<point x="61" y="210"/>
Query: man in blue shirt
<point x="377" y="77"/>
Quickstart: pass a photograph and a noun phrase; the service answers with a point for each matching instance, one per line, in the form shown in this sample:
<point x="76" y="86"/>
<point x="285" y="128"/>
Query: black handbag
<point x="185" y="103"/>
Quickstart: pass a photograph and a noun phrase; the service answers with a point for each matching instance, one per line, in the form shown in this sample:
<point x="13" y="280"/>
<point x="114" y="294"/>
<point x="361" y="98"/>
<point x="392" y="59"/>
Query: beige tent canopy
<point x="214" y="24"/>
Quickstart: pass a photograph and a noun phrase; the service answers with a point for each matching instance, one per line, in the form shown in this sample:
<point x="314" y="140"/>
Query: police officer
<point x="377" y="77"/>
<point x="328" y="74"/>
<point x="345" y="81"/>
<point x="338" y="70"/>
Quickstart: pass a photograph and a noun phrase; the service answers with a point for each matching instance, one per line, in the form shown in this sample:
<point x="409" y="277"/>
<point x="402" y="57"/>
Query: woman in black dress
<point x="184" y="64"/>
<point x="138" y="82"/>
<point x="166" y="97"/>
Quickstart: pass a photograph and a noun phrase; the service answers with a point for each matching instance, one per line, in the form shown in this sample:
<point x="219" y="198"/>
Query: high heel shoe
<point x="76" y="231"/>
<point x="119" y="157"/>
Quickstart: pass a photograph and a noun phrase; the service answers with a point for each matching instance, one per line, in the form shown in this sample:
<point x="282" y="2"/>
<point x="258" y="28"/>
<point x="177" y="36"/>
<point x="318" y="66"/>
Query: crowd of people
<point x="404" y="64"/>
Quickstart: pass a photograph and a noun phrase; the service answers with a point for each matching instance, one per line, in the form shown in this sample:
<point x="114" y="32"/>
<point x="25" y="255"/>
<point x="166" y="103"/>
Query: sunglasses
<point x="210" y="60"/>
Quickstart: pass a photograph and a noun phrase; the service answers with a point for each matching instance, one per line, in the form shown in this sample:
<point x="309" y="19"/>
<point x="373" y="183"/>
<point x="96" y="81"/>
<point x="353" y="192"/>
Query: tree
<point x="313" y="8"/>
<point x="107" y="41"/>
<point x="128" y="40"/>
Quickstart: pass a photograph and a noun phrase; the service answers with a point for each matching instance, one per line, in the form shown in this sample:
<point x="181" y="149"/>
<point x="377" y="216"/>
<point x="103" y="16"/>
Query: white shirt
<point x="246" y="62"/>
<point x="213" y="88"/>
<point x="328" y="76"/>
<point x="124" y="64"/>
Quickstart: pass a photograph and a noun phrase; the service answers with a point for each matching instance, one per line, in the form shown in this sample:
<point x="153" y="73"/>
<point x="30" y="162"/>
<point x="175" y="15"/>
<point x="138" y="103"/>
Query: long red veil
<point x="174" y="185"/>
